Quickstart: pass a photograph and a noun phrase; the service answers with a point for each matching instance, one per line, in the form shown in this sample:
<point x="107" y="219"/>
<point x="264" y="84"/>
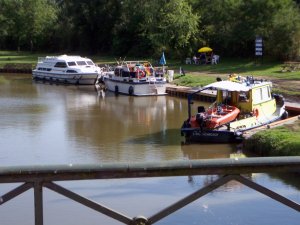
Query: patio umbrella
<point x="205" y="49"/>
<point x="162" y="60"/>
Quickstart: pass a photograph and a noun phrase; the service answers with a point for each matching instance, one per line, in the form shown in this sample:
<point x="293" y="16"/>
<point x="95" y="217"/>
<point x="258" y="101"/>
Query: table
<point x="290" y="66"/>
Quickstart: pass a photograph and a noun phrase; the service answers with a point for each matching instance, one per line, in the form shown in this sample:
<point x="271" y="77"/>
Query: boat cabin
<point x="248" y="97"/>
<point x="63" y="61"/>
<point x="134" y="69"/>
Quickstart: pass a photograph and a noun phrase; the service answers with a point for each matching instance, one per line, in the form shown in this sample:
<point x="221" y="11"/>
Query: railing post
<point x="38" y="203"/>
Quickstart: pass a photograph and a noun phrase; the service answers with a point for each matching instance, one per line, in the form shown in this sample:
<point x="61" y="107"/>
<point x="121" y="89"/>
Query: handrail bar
<point x="149" y="169"/>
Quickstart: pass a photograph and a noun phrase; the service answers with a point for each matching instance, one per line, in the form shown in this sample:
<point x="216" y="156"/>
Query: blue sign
<point x="258" y="46"/>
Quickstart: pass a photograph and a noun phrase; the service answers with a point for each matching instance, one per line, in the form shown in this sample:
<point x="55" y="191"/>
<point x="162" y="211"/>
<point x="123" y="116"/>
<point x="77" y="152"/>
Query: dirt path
<point x="289" y="85"/>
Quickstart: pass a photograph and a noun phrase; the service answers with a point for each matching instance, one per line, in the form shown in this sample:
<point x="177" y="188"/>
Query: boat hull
<point x="210" y="136"/>
<point x="71" y="78"/>
<point x="196" y="134"/>
<point x="143" y="88"/>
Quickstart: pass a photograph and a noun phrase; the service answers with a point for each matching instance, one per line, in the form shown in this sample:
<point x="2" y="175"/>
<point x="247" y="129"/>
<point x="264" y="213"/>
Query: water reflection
<point x="208" y="151"/>
<point x="72" y="124"/>
<point x="53" y="124"/>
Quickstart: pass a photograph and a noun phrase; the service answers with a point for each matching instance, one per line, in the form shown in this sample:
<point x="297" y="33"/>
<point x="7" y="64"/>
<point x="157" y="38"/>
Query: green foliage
<point x="143" y="28"/>
<point x="174" y="27"/>
<point x="280" y="141"/>
<point x="25" y="23"/>
<point x="230" y="26"/>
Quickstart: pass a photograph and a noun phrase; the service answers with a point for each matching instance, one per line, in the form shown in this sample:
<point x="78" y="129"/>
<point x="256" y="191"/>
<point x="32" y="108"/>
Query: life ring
<point x="140" y="74"/>
<point x="130" y="90"/>
<point x="256" y="112"/>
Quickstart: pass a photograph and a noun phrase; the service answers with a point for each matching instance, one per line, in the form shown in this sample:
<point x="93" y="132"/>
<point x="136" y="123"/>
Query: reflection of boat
<point x="135" y="78"/>
<point x="66" y="69"/>
<point x="207" y="151"/>
<point x="242" y="104"/>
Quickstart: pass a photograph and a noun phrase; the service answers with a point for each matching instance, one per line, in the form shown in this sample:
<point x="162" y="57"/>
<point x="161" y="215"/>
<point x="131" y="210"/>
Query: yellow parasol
<point x="205" y="49"/>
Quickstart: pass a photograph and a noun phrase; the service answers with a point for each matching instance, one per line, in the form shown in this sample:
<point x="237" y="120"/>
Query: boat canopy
<point x="227" y="86"/>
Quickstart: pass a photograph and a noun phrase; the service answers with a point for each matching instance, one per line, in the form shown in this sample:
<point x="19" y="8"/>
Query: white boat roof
<point x="64" y="58"/>
<point x="67" y="57"/>
<point x="228" y="86"/>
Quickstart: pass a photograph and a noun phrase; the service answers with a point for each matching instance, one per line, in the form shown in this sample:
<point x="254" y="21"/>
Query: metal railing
<point x="40" y="177"/>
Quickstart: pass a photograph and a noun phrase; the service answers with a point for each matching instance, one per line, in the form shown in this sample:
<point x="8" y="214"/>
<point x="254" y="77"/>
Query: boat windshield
<point x="71" y="63"/>
<point x="81" y="63"/>
<point x="90" y="63"/>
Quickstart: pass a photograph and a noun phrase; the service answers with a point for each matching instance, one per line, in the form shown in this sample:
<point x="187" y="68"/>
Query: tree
<point x="231" y="26"/>
<point x="87" y="25"/>
<point x="28" y="20"/>
<point x="155" y="26"/>
<point x="171" y="26"/>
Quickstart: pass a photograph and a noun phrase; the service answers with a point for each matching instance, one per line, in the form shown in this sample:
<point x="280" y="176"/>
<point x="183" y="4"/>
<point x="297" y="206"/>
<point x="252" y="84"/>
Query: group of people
<point x="206" y="58"/>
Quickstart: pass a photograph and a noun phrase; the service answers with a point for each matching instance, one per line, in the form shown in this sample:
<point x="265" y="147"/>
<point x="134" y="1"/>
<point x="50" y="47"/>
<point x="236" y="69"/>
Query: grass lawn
<point x="286" y="83"/>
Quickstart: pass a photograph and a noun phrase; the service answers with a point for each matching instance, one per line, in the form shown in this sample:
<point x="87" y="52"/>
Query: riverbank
<point x="283" y="140"/>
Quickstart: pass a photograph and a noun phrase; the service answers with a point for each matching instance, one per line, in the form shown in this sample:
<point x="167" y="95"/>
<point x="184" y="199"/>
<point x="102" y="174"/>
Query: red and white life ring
<point x="140" y="74"/>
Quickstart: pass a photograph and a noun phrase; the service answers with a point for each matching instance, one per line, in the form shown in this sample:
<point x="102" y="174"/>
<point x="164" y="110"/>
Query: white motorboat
<point x="136" y="78"/>
<point x="66" y="69"/>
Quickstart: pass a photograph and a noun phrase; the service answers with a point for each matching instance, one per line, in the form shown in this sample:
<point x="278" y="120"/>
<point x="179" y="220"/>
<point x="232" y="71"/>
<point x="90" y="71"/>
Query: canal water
<point x="44" y="124"/>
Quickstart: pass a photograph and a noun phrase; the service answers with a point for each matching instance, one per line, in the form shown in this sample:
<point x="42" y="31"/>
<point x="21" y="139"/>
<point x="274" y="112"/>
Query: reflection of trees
<point x="232" y="185"/>
<point x="21" y="105"/>
<point x="291" y="179"/>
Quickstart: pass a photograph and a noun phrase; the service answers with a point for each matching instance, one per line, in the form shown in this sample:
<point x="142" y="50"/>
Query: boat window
<point x="90" y="63"/>
<point x="81" y="63"/>
<point x="71" y="64"/>
<point x="118" y="72"/>
<point x="44" y="69"/>
<point x="60" y="65"/>
<point x="71" y="71"/>
<point x="265" y="92"/>
<point x="262" y="94"/>
<point x="243" y="96"/>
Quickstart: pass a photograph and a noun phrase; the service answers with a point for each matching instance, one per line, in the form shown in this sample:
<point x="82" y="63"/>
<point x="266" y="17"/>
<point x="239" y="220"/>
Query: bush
<point x="280" y="141"/>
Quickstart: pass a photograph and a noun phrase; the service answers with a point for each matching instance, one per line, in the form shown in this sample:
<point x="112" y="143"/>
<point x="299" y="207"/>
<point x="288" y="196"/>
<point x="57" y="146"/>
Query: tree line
<point x="148" y="27"/>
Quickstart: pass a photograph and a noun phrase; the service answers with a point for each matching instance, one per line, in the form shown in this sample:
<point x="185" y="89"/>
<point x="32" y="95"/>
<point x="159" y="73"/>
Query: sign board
<point x="258" y="46"/>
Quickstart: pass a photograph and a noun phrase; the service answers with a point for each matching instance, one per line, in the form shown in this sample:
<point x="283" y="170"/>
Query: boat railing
<point x="41" y="59"/>
<point x="39" y="178"/>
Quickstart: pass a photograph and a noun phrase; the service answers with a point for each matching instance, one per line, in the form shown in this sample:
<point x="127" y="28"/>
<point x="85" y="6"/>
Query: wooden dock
<point x="183" y="92"/>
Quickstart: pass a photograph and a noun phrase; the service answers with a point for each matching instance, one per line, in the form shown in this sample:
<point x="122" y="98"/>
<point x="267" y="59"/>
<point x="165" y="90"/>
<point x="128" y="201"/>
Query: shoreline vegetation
<point x="280" y="141"/>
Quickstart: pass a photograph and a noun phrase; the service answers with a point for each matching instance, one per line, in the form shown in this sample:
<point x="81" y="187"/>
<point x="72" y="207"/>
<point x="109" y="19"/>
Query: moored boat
<point x="66" y="69"/>
<point x="138" y="78"/>
<point x="241" y="104"/>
